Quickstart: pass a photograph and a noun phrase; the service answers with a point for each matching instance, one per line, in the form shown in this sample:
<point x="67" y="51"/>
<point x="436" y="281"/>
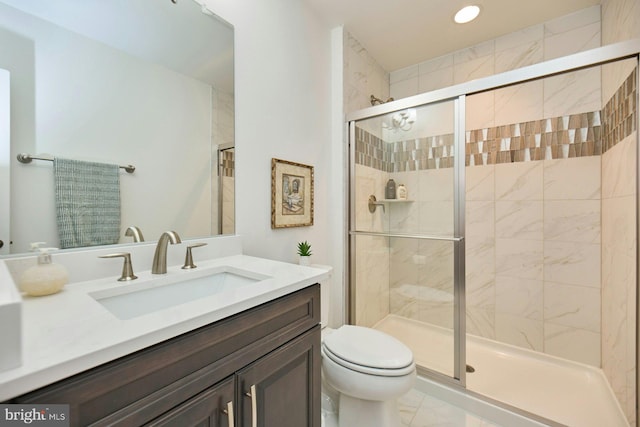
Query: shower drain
<point x="470" y="369"/>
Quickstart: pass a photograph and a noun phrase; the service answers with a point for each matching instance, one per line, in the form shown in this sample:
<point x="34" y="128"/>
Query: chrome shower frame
<point x="458" y="93"/>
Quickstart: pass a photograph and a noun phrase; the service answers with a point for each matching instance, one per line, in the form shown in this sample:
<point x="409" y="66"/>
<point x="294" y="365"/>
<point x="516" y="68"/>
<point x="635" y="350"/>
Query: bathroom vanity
<point x="242" y="357"/>
<point x="263" y="362"/>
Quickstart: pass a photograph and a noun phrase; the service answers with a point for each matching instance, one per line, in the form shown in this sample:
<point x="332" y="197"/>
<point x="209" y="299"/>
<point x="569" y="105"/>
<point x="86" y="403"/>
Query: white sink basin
<point x="135" y="300"/>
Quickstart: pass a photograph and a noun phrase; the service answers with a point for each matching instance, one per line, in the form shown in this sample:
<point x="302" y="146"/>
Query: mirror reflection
<point x="147" y="83"/>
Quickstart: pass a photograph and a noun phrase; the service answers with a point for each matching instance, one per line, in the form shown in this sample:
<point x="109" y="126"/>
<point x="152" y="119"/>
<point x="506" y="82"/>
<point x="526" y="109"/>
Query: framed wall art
<point x="291" y="194"/>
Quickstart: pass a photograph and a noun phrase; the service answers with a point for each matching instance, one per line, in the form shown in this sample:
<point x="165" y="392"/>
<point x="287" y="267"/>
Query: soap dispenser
<point x="44" y="278"/>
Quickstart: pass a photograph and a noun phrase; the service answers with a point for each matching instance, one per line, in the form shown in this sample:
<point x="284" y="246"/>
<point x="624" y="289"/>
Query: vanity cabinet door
<point x="282" y="389"/>
<point x="211" y="408"/>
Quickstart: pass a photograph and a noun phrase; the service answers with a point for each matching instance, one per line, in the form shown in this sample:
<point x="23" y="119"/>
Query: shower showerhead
<point x="378" y="101"/>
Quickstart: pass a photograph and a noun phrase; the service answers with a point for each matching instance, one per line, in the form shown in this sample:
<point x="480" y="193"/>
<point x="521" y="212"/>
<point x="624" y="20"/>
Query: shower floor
<point x="566" y="392"/>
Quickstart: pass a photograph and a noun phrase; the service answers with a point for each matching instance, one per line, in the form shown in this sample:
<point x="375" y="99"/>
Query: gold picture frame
<point x="291" y="194"/>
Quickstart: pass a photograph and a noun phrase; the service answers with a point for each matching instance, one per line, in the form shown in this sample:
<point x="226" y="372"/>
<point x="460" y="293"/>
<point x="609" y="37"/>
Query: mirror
<point x="142" y="82"/>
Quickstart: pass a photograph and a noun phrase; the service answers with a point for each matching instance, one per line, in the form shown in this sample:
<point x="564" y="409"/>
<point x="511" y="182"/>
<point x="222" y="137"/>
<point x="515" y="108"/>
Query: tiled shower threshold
<point x="566" y="392"/>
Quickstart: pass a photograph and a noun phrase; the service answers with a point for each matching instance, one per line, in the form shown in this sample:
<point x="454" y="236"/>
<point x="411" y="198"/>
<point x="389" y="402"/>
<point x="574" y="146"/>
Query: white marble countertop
<point x="70" y="332"/>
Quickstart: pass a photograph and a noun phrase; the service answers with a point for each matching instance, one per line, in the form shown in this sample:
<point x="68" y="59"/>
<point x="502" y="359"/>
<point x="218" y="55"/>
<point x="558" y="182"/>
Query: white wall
<point x="283" y="110"/>
<point x="96" y="103"/>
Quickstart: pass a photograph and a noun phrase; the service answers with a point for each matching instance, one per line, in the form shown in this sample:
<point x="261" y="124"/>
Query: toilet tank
<point x="325" y="292"/>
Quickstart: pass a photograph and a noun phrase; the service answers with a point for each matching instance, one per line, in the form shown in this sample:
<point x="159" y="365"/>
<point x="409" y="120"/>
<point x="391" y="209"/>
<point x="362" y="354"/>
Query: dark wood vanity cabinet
<point x="260" y="367"/>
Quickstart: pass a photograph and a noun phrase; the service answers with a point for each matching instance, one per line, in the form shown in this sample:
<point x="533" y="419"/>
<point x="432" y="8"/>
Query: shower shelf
<point x="374" y="203"/>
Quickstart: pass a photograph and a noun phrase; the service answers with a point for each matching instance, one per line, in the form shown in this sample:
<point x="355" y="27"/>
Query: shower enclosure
<point x="511" y="268"/>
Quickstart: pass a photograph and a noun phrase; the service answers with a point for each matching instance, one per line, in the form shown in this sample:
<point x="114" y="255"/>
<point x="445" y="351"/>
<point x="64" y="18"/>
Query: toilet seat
<point x="368" y="351"/>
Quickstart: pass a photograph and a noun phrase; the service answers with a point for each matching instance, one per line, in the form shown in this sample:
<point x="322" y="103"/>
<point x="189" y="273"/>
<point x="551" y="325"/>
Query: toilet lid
<point x="368" y="348"/>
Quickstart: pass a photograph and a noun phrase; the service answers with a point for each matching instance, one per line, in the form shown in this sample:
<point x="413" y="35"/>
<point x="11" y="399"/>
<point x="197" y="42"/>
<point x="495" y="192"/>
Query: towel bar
<point x="27" y="158"/>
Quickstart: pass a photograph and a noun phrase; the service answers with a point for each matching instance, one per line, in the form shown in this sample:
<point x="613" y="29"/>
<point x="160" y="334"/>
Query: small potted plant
<point x="304" y="251"/>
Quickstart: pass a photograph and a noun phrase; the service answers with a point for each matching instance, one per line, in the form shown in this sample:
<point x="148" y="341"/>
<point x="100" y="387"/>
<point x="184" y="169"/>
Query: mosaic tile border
<point x="227" y="163"/>
<point x="576" y="135"/>
<point x="620" y="113"/>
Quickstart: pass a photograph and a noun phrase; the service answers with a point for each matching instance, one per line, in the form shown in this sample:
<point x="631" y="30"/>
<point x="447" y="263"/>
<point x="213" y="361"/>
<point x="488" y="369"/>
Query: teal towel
<point x="87" y="202"/>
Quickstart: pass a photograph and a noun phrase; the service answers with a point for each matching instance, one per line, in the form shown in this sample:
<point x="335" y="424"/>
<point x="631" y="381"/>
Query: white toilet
<point x="368" y="368"/>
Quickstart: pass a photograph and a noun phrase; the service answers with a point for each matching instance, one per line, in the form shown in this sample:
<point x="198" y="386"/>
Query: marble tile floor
<point x="418" y="409"/>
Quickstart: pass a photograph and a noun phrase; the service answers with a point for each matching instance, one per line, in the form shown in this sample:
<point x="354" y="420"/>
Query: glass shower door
<point x="407" y="254"/>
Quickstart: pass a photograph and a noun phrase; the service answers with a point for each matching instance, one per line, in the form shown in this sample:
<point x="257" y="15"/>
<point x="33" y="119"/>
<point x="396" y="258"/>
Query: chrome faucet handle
<point x="188" y="260"/>
<point x="134" y="232"/>
<point x="127" y="269"/>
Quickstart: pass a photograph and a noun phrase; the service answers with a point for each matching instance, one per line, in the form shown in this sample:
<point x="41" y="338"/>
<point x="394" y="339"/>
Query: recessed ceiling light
<point x="467" y="14"/>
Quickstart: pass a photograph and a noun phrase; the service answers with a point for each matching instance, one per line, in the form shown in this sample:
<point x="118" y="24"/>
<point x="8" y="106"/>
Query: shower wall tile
<point x="479" y="219"/>
<point x="404" y="217"/>
<point x="406" y="293"/>
<point x="405" y="88"/>
<point x="519" y="258"/>
<point x="572" y="263"/>
<point x="481" y="50"/>
<point x="619" y="259"/>
<point x="436" y="218"/>
<point x="363" y="76"/>
<point x="473" y="69"/>
<point x="435" y="265"/>
<point x="573" y="344"/>
<point x="480" y="111"/>
<point x="572" y="221"/>
<point x="620" y="20"/>
<point x="572" y="93"/>
<point x="573" y="306"/>
<point x="228" y="205"/>
<point x="528" y="53"/>
<point x="519" y="331"/>
<point x="521" y="219"/>
<point x="406" y="73"/>
<point x="480" y="182"/>
<point x="439" y="63"/>
<point x="618" y="170"/>
<point x="372" y="284"/>
<point x="481" y="291"/>
<point x="519" y="181"/>
<point x="481" y="322"/>
<point x="572" y="21"/>
<point x="571" y="179"/>
<point x="577" y="40"/>
<point x="480" y="255"/>
<point x="435" y="79"/>
<point x="519" y="38"/>
<point x="614" y="74"/>
<point x="438" y="314"/>
<point x="520" y="297"/>
<point x="435" y="185"/>
<point x="368" y="182"/>
<point x="519" y="103"/>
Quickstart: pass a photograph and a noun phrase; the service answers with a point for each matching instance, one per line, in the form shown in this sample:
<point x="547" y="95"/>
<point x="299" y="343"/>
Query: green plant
<point x="304" y="249"/>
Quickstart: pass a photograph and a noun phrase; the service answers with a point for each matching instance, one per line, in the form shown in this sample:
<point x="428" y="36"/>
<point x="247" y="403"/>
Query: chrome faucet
<point x="160" y="257"/>
<point x="135" y="232"/>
